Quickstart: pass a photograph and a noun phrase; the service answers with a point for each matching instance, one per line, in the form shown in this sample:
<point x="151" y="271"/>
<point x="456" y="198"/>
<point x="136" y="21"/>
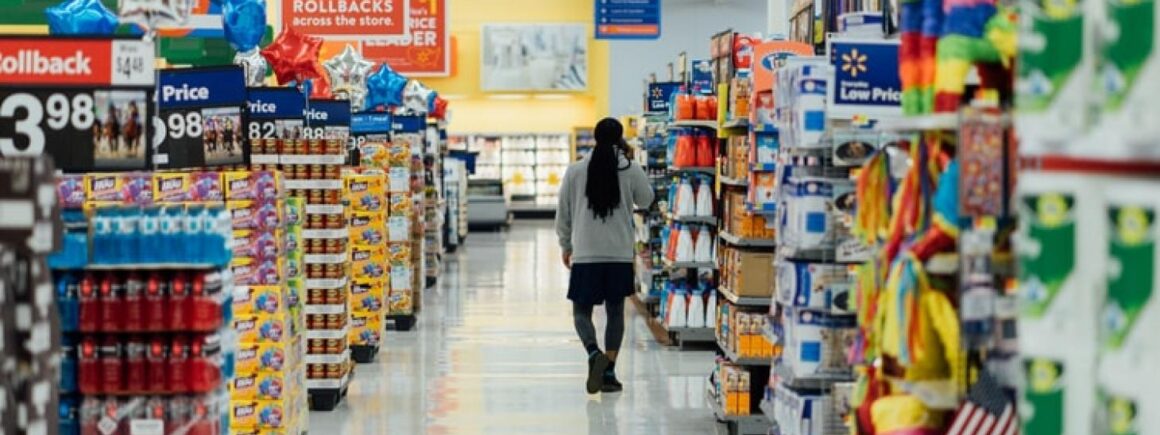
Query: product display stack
<point x="746" y="241"/>
<point x="434" y="205"/>
<point x="649" y="222"/>
<point x="145" y="289"/>
<point x="366" y="194"/>
<point x="267" y="391"/>
<point x="30" y="323"/>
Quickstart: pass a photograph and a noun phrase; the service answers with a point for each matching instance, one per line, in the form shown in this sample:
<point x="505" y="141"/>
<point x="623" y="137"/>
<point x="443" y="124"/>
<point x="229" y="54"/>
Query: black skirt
<point x="594" y="283"/>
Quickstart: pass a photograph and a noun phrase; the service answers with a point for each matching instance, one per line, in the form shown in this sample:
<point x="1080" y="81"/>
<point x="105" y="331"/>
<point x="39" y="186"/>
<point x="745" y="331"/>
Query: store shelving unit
<point x="743" y="301"/>
<point x="583" y="141"/>
<point x="737" y="424"/>
<point x="747" y="242"/>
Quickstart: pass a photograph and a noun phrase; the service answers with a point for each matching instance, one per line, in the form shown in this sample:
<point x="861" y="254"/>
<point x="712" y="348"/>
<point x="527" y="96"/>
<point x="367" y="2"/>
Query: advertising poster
<point x="425" y="49"/>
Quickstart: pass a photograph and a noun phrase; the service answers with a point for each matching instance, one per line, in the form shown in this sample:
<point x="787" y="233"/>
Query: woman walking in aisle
<point x="594" y="223"/>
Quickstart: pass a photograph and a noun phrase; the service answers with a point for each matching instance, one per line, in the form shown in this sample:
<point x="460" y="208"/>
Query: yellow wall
<point x="472" y="111"/>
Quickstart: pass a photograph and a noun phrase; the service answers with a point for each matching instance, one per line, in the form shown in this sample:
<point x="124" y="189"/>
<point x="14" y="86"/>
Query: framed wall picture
<point x="534" y="58"/>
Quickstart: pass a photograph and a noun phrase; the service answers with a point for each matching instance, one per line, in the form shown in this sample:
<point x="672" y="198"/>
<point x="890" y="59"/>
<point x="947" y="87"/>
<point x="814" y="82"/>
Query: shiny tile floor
<point x="495" y="353"/>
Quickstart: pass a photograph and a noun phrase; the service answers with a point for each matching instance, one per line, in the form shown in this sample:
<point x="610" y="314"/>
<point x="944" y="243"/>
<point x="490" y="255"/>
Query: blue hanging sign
<point x="866" y="79"/>
<point x="628" y="19"/>
<point x="702" y="77"/>
<point x="273" y="113"/>
<point x="408" y="123"/>
<point x="660" y="96"/>
<point x="327" y="119"/>
<point x="200" y="118"/>
<point x="370" y="126"/>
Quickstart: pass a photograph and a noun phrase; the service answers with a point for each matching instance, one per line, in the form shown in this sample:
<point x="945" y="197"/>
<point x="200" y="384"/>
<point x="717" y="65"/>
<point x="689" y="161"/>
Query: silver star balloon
<point x="254" y="65"/>
<point x="357" y="99"/>
<point x="415" y="97"/>
<point x="348" y="72"/>
<point x="153" y="14"/>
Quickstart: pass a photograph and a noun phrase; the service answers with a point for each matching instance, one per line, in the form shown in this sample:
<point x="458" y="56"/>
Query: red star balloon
<point x="294" y="56"/>
<point x="440" y="108"/>
<point x="320" y="89"/>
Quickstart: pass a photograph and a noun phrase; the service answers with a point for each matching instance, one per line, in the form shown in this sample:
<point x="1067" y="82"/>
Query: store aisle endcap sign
<point x="274" y="113"/>
<point x="660" y="96"/>
<point x="355" y="19"/>
<point x="866" y="79"/>
<point x="84" y="101"/>
<point x="200" y="118"/>
<point x="628" y="19"/>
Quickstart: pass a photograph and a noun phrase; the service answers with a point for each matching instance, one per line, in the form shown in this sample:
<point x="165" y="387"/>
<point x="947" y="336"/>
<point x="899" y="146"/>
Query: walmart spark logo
<point x="854" y="63"/>
<point x="657" y="93"/>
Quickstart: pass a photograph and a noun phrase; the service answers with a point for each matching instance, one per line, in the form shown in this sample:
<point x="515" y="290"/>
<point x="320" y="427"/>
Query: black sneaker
<point x="611" y="385"/>
<point x="597" y="363"/>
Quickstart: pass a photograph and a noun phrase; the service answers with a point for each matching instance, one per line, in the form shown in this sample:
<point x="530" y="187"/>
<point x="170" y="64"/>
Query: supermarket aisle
<point x="495" y="352"/>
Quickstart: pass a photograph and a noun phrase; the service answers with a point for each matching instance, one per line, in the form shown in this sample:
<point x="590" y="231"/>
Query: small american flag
<point x="987" y="411"/>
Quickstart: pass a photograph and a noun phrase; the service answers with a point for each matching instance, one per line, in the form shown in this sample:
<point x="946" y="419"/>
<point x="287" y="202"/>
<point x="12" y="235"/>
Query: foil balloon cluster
<point x="348" y="76"/>
<point x="81" y="17"/>
<point x="293" y="56"/>
<point x="385" y="88"/>
<point x="244" y="23"/>
<point x="153" y="14"/>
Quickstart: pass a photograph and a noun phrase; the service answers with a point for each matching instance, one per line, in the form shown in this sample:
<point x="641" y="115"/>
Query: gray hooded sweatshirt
<point x="591" y="239"/>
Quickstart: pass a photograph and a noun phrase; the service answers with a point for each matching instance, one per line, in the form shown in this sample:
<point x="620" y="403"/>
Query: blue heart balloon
<point x="81" y="17"/>
<point x="385" y="88"/>
<point x="244" y="22"/>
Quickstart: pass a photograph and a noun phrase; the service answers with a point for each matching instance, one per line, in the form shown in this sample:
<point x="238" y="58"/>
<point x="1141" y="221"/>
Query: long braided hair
<point x="603" y="187"/>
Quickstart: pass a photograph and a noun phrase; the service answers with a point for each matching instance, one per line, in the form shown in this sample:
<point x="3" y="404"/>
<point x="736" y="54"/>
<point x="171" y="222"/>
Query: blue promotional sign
<point x="660" y="96"/>
<point x="866" y="80"/>
<point x="200" y="118"/>
<point x="274" y="113"/>
<point x="701" y="81"/>
<point x="370" y="126"/>
<point x="408" y="123"/>
<point x="327" y="119"/>
<point x="628" y="19"/>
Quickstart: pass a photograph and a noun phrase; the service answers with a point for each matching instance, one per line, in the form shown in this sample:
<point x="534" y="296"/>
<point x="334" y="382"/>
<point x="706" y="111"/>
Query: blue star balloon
<point x="81" y="17"/>
<point x="385" y="88"/>
<point x="244" y="22"/>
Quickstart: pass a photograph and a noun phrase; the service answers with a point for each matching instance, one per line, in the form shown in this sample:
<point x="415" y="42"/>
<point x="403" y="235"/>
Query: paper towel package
<point x="1128" y="74"/>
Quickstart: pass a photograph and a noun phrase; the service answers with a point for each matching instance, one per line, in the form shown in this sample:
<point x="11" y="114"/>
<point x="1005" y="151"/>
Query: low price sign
<point x="866" y="80"/>
<point x="85" y="102"/>
<point x="327" y="119"/>
<point x="201" y="118"/>
<point x="370" y="126"/>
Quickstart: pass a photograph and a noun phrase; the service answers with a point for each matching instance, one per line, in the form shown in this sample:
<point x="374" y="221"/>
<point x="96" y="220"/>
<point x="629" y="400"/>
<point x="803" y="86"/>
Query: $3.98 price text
<point x="30" y="120"/>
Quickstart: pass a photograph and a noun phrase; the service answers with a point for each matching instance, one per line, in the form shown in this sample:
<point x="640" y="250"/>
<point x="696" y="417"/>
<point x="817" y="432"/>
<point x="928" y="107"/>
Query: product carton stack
<point x="266" y="393"/>
<point x="366" y="194"/>
<point x="393" y="160"/>
<point x="313" y="174"/>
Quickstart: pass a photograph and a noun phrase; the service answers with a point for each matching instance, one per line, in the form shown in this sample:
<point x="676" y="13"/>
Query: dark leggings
<point x="613" y="332"/>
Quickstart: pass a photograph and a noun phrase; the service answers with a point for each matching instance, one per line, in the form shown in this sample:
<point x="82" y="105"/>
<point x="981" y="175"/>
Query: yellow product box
<point x="401" y="204"/>
<point x="368" y="228"/>
<point x="252" y="184"/>
<point x="401" y="302"/>
<point x="399" y="154"/>
<point x="263" y="385"/>
<point x="255" y="299"/>
<point x="258" y="271"/>
<point x="399" y="254"/>
<point x="366" y="329"/>
<point x="368" y="262"/>
<point x="366" y="192"/>
<point x="262" y="414"/>
<point x="262" y="328"/>
<point x="169" y="187"/>
<point x="256" y="357"/>
<point x="368" y="295"/>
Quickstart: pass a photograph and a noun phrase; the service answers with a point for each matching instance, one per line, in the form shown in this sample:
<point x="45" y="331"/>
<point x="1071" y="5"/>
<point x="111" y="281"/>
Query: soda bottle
<point x="112" y="366"/>
<point x="89" y="311"/>
<point x="178" y="414"/>
<point x="89" y="367"/>
<point x="135" y="379"/>
<point x="157" y="366"/>
<point x="179" y="290"/>
<point x="112" y="308"/>
<point x="154" y="304"/>
<point x="202" y="420"/>
<point x="178" y="365"/>
<point x="133" y="302"/>
<point x="91" y="411"/>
